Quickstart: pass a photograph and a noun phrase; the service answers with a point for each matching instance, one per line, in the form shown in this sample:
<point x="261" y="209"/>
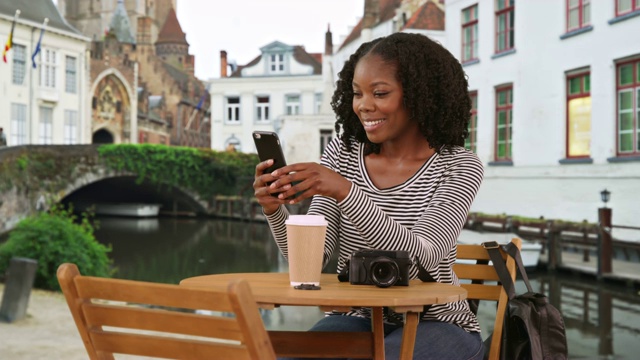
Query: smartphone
<point x="268" y="146"/>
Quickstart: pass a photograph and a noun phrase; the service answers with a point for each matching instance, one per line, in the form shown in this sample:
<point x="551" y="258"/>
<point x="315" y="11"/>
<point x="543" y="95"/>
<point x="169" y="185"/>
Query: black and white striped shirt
<point x="424" y="216"/>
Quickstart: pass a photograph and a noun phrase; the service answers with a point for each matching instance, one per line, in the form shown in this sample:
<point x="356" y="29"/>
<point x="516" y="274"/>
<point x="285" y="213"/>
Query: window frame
<point x="71" y="74"/>
<point x="326" y="136"/>
<point x="232" y="113"/>
<point x="634" y="89"/>
<point x="48" y="68"/>
<point x="19" y="64"/>
<point x="508" y="123"/>
<point x="473" y="24"/>
<point x="290" y="106"/>
<point x="471" y="142"/>
<point x="276" y="63"/>
<point x="70" y="127"/>
<point x="18" y="124"/>
<point x="45" y="126"/>
<point x="583" y="93"/>
<point x="635" y="6"/>
<point x="262" y="109"/>
<point x="580" y="6"/>
<point x="508" y="10"/>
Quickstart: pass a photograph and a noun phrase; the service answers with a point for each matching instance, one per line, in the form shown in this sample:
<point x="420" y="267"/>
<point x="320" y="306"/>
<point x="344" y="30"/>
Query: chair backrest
<point x="476" y="268"/>
<point x="159" y="320"/>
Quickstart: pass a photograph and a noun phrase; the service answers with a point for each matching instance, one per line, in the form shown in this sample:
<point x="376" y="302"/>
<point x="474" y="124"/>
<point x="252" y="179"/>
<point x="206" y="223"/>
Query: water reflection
<point x="602" y="321"/>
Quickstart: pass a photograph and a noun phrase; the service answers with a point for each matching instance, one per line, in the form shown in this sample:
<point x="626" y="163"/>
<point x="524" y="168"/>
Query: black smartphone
<point x="268" y="146"/>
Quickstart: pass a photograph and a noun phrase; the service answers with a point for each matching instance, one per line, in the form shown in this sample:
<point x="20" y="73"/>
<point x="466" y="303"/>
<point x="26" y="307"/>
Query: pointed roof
<point x="120" y="26"/>
<point x="36" y="11"/>
<point x="171" y="32"/>
<point x="387" y="10"/>
<point x="428" y="17"/>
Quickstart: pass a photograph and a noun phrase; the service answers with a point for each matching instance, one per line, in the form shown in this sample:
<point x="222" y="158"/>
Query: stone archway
<point x="102" y="136"/>
<point x="112" y="107"/>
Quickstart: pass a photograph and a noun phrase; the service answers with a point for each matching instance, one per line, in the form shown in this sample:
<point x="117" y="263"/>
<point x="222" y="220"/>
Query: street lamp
<point x="605" y="195"/>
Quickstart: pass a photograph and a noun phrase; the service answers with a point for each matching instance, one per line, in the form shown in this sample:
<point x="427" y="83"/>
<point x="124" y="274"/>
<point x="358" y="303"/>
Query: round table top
<point x="274" y="288"/>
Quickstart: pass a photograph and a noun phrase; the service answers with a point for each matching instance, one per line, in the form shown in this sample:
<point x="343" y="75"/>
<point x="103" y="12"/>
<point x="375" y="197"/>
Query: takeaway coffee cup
<point x="305" y="245"/>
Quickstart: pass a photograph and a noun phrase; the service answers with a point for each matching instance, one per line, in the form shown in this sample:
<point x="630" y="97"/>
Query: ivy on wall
<point x="203" y="171"/>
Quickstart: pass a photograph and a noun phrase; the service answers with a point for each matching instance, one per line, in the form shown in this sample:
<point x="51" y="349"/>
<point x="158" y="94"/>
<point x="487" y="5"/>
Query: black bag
<point x="533" y="328"/>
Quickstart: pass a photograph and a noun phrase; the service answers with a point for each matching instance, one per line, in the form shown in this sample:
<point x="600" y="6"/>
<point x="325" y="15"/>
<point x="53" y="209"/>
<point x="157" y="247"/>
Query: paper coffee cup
<point x="305" y="248"/>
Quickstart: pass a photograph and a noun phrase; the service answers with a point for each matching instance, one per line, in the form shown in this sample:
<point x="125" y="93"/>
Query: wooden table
<point x="273" y="289"/>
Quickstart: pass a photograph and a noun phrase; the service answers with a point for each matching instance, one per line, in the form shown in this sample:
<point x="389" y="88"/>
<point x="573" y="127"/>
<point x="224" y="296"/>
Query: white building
<point x="281" y="87"/>
<point x="46" y="104"/>
<point x="556" y="89"/>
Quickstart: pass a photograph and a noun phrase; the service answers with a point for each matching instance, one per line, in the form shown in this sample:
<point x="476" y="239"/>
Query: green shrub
<point x="53" y="238"/>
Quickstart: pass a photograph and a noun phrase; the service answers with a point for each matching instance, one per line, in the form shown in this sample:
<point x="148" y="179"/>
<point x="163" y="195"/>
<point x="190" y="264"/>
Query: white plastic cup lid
<point x="306" y="220"/>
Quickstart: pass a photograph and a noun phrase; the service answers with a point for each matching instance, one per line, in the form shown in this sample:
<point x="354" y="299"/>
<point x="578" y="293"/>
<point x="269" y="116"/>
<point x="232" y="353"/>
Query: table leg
<point x="409" y="335"/>
<point x="377" y="326"/>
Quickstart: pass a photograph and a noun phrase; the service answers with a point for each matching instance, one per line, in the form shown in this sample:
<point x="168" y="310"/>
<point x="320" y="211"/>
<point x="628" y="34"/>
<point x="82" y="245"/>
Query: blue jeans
<point x="434" y="339"/>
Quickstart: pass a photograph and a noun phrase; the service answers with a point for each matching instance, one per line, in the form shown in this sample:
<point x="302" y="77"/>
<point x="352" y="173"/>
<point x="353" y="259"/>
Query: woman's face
<point x="377" y="100"/>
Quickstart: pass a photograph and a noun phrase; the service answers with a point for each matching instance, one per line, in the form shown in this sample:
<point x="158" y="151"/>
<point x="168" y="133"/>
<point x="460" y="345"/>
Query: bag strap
<point x="493" y="248"/>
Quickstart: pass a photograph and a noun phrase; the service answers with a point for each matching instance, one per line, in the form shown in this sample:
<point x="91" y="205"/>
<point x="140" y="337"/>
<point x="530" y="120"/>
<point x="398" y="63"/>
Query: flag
<point x="9" y="44"/>
<point x="37" y="49"/>
<point x="201" y="102"/>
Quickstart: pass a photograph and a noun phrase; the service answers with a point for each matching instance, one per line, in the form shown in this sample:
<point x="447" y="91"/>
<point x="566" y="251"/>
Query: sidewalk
<point x="48" y="331"/>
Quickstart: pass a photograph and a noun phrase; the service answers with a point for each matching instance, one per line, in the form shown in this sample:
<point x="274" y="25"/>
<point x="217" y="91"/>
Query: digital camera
<point x="382" y="268"/>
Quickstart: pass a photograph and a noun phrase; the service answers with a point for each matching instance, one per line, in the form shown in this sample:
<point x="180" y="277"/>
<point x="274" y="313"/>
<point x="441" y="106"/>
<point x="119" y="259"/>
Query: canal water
<point x="602" y="320"/>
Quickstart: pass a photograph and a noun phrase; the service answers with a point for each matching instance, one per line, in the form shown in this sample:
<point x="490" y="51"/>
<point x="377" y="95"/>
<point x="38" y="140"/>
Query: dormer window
<point x="276" y="63"/>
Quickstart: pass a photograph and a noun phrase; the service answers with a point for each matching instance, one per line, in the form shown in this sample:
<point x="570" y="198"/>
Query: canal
<point x="602" y="320"/>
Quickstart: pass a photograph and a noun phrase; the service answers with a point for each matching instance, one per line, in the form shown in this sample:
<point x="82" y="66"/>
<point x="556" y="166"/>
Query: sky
<point x="242" y="27"/>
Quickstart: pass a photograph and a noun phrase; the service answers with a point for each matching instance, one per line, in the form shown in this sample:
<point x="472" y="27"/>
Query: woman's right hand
<point x="263" y="192"/>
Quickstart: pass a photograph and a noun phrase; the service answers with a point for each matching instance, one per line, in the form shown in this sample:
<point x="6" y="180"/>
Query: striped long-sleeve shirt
<point x="424" y="216"/>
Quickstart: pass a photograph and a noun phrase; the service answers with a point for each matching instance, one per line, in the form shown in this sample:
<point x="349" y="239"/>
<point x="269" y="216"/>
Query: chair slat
<point x="131" y="317"/>
<point x="476" y="272"/>
<point x="151" y="293"/>
<point x="482" y="292"/>
<point x="163" y="347"/>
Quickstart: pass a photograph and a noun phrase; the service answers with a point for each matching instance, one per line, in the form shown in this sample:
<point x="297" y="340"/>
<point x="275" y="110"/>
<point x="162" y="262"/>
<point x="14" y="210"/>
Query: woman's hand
<point x="263" y="192"/>
<point x="303" y="180"/>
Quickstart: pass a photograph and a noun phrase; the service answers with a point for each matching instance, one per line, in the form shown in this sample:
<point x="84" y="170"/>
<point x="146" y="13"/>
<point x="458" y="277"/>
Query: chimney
<point x="370" y="14"/>
<point x="328" y="41"/>
<point x="223" y="64"/>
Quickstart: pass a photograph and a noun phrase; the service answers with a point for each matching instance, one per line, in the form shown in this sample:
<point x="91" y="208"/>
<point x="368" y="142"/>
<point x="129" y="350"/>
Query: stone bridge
<point x="34" y="177"/>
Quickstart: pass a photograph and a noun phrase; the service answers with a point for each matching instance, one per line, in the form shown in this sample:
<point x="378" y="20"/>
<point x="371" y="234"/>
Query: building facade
<point x="43" y="97"/>
<point x="556" y="104"/>
<point x="283" y="82"/>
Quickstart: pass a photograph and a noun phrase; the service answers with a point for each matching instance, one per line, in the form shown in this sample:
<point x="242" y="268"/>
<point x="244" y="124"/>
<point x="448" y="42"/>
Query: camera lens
<point x="384" y="272"/>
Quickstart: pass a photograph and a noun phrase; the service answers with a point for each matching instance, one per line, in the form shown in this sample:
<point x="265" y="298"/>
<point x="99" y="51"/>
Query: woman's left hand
<point x="309" y="179"/>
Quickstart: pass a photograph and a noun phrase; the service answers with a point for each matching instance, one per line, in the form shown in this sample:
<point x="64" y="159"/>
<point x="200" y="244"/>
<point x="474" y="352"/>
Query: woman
<point x="396" y="178"/>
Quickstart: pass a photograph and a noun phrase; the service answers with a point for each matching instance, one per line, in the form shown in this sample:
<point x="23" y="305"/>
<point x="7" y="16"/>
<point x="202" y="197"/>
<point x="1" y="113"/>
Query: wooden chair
<point x="480" y="272"/>
<point x="157" y="320"/>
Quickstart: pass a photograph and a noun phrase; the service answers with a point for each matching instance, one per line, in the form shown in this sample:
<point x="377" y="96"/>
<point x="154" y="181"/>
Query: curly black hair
<point x="435" y="90"/>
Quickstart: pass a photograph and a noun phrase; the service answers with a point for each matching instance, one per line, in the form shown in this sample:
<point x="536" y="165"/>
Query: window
<point x="276" y="62"/>
<point x="70" y="78"/>
<point x="19" y="64"/>
<point x="470" y="33"/>
<point x="318" y="103"/>
<point x="233" y="109"/>
<point x="232" y="144"/>
<point x="70" y="127"/>
<point x="325" y="138"/>
<point x="45" y="130"/>
<point x="48" y="68"/>
<point x="471" y="140"/>
<point x="578" y="14"/>
<point x="628" y="89"/>
<point x="292" y="104"/>
<point x="262" y="108"/>
<point x="627" y="6"/>
<point x="505" y="16"/>
<point x="18" y="134"/>
<point x="579" y="115"/>
<point x="504" y="100"/>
